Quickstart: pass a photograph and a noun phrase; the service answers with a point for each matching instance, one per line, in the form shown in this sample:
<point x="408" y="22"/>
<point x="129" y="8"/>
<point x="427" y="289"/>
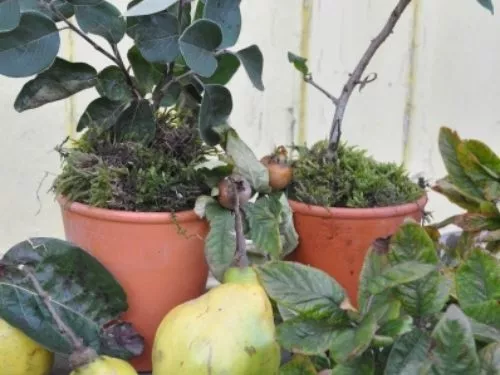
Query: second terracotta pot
<point x="158" y="258"/>
<point x="336" y="240"/>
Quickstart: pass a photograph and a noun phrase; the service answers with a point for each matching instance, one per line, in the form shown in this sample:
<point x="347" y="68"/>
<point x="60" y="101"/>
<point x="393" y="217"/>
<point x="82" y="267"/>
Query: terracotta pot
<point x="336" y="240"/>
<point x="158" y="266"/>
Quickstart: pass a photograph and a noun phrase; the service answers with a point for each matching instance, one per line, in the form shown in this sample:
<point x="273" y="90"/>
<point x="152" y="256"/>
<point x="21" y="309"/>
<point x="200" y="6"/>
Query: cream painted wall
<point x="438" y="68"/>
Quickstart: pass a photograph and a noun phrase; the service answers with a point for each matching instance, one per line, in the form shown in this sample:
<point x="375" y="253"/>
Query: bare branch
<point x="355" y="78"/>
<point x="309" y="79"/>
<point x="241" y="247"/>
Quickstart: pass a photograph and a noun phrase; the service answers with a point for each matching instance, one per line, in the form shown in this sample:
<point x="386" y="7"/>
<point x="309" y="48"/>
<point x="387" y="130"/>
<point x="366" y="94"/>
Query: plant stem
<point x="122" y="67"/>
<point x="309" y="79"/>
<point x="355" y="78"/>
<point x="241" y="246"/>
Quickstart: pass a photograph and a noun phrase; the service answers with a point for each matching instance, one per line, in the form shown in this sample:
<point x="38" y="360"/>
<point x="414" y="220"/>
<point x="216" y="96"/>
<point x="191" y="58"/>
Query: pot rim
<point x="358" y="213"/>
<point x="142" y="217"/>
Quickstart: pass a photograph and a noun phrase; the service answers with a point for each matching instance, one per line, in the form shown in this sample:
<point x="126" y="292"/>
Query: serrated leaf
<point x="373" y="266"/>
<point x="490" y="359"/>
<point x="220" y="245"/>
<point x="398" y="274"/>
<point x="287" y="228"/>
<point x="147" y="74"/>
<point x="412" y="243"/>
<point x="300" y="63"/>
<point x="363" y="365"/>
<point x="147" y="7"/>
<point x="351" y="343"/>
<point x="303" y="289"/>
<point x="81" y="290"/>
<point x="216" y="106"/>
<point x="198" y="44"/>
<point x="136" y="123"/>
<point x="10" y="15"/>
<point x="60" y="81"/>
<point x="247" y="163"/>
<point x="227" y="65"/>
<point x="156" y="36"/>
<point x="102" y="113"/>
<point x="409" y="348"/>
<point x="103" y="19"/>
<point x="455" y="350"/>
<point x="63" y="7"/>
<point x="253" y="62"/>
<point x="227" y="14"/>
<point x="112" y="84"/>
<point x="264" y="219"/>
<point x="488" y="4"/>
<point x="30" y="48"/>
<point x="307" y="336"/>
<point x="298" y="365"/>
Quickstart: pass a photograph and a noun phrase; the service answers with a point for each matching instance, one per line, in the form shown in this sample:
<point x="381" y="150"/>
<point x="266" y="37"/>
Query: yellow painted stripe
<point x="307" y="10"/>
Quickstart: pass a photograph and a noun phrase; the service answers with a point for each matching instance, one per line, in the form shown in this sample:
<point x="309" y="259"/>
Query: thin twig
<point x="309" y="79"/>
<point x="77" y="343"/>
<point x="355" y="78"/>
<point x="122" y="67"/>
<point x="241" y="251"/>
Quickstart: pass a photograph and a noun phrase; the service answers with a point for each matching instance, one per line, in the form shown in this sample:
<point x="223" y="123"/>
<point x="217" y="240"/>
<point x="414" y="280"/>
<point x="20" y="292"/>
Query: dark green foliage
<point x="353" y="180"/>
<point x="131" y="176"/>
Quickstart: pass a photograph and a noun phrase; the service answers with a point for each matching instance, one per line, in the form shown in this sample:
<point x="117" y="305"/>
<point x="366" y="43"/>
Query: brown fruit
<point x="227" y="198"/>
<point x="280" y="172"/>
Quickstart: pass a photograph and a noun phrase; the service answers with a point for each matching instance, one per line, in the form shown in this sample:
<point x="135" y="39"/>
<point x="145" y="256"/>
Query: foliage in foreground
<point x="352" y="180"/>
<point x="407" y="322"/>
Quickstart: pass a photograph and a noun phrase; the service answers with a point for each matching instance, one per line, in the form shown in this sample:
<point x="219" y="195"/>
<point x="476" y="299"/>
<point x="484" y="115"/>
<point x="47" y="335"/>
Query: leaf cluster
<point x="472" y="183"/>
<point x="352" y="180"/>
<point x="407" y="321"/>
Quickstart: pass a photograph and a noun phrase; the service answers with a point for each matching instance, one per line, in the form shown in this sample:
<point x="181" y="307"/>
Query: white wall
<point x="438" y="68"/>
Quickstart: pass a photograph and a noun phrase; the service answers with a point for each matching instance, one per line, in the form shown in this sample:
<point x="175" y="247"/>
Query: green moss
<point x="158" y="177"/>
<point x="353" y="180"/>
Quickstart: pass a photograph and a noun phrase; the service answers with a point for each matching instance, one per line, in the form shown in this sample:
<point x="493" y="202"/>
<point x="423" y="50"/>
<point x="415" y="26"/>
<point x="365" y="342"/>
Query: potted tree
<point x="129" y="184"/>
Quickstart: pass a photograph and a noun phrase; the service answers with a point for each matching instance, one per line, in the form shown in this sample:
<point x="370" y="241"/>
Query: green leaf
<point x="198" y="44"/>
<point x="401" y="273"/>
<point x="363" y="365"/>
<point x="351" y="343"/>
<point x="448" y="146"/>
<point x="488" y="4"/>
<point x="220" y="245"/>
<point x="81" y="290"/>
<point x="477" y="173"/>
<point x="102" y="113"/>
<point x="228" y="65"/>
<point x="300" y="63"/>
<point x="307" y="336"/>
<point x="303" y="289"/>
<point x="84" y="2"/>
<point x="200" y="9"/>
<point x="147" y="7"/>
<point x="30" y="48"/>
<point x="62" y="6"/>
<point x="486" y="312"/>
<point x="10" y="15"/>
<point x="483" y="332"/>
<point x="455" y="349"/>
<point x="147" y="74"/>
<point x="227" y="14"/>
<point x="112" y="84"/>
<point x="264" y="219"/>
<point x="409" y="348"/>
<point x="253" y="62"/>
<point x="490" y="359"/>
<point x="216" y="106"/>
<point x="298" y="365"/>
<point x="455" y="195"/>
<point x="247" y="163"/>
<point x="103" y="19"/>
<point x="396" y="327"/>
<point x="157" y="37"/>
<point x="136" y="123"/>
<point x="412" y="243"/>
<point x="172" y="94"/>
<point x="60" y="81"/>
<point x="485" y="155"/>
<point x="287" y="228"/>
<point x="478" y="279"/>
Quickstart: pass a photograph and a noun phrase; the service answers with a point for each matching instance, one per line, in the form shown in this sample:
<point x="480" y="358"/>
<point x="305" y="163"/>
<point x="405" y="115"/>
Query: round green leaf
<point x="60" y="81"/>
<point x="227" y="14"/>
<point x="172" y="95"/>
<point x="147" y="7"/>
<point x="198" y="44"/>
<point x="63" y="7"/>
<point x="30" y="48"/>
<point x="216" y="106"/>
<point x="146" y="73"/>
<point x="113" y="85"/>
<point x="10" y="15"/>
<point x="157" y="37"/>
<point x="253" y="61"/>
<point x="228" y="64"/>
<point x="84" y="2"/>
<point x="102" y="113"/>
<point x="103" y="19"/>
<point x="136" y="123"/>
